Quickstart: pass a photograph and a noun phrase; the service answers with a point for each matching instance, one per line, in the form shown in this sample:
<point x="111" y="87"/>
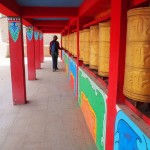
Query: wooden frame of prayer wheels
<point x="86" y="46"/>
<point x="137" y="67"/>
<point x="81" y="45"/>
<point x="94" y="46"/>
<point x="104" y="49"/>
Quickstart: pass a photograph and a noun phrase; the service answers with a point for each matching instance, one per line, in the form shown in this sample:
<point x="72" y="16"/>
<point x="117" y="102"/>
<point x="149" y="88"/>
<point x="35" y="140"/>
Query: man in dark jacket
<point x="54" y="51"/>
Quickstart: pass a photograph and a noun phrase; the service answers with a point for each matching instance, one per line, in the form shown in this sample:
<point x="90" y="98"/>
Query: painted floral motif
<point x="29" y="33"/>
<point x="14" y="29"/>
<point x="36" y="35"/>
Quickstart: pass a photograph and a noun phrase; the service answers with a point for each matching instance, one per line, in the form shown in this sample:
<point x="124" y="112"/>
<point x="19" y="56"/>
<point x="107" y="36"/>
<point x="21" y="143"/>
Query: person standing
<point x="54" y="51"/>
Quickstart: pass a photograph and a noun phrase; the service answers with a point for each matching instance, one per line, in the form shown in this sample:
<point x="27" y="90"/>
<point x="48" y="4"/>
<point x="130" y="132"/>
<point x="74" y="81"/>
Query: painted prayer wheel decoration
<point x="94" y="46"/>
<point x="86" y="46"/>
<point x="137" y="69"/>
<point x="75" y="45"/>
<point x="81" y="45"/>
<point x="104" y="49"/>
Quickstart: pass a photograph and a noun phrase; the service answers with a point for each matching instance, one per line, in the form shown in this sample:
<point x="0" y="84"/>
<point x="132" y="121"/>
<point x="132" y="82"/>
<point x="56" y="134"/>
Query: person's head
<point x="55" y="37"/>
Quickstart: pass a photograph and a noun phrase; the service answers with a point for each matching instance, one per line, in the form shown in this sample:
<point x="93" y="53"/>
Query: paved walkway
<point x="52" y="120"/>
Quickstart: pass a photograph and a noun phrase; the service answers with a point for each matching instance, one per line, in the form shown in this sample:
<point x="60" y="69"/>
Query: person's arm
<point x="59" y="46"/>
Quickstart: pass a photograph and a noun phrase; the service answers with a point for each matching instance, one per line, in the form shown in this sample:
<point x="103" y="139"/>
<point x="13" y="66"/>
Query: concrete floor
<point x="52" y="120"/>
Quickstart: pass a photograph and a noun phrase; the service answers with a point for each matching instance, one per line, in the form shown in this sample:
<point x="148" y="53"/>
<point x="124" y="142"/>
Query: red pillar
<point x="41" y="47"/>
<point x="37" y="49"/>
<point x="17" y="60"/>
<point x="117" y="64"/>
<point x="30" y="53"/>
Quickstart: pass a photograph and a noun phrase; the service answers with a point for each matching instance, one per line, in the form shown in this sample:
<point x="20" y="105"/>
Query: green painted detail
<point x="97" y="100"/>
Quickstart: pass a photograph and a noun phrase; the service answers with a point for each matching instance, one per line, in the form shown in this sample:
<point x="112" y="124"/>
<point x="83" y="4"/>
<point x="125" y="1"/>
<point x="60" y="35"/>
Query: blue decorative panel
<point x="36" y="35"/>
<point x="14" y="29"/>
<point x="73" y="75"/>
<point x="29" y="32"/>
<point x="128" y="135"/>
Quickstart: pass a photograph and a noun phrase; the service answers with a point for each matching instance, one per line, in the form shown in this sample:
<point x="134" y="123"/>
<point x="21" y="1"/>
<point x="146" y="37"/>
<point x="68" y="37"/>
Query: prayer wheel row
<point x="137" y="65"/>
<point x="95" y="51"/>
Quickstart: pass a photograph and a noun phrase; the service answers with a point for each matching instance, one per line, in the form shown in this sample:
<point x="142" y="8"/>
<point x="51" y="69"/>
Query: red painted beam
<point x="51" y="23"/>
<point x="138" y="2"/>
<point x="27" y="22"/>
<point x="83" y="20"/>
<point x="49" y="28"/>
<point x="96" y="21"/>
<point x="57" y="32"/>
<point x="92" y="8"/>
<point x="48" y="12"/>
<point x="9" y="8"/>
<point x="12" y="9"/>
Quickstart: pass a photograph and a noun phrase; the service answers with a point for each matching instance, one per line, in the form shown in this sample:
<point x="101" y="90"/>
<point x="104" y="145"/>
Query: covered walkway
<point x="51" y="120"/>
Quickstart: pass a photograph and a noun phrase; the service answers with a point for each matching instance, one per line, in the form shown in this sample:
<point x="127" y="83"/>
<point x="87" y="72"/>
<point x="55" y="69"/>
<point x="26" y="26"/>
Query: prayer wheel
<point x="104" y="49"/>
<point x="94" y="46"/>
<point x="67" y="42"/>
<point x="86" y="46"/>
<point x="70" y="43"/>
<point x="75" y="45"/>
<point x="81" y="45"/>
<point x="137" y="66"/>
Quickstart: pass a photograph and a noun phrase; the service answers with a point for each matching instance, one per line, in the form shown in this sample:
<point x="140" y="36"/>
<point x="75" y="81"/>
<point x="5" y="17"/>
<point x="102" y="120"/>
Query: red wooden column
<point x="17" y="60"/>
<point x="37" y="49"/>
<point x="41" y="47"/>
<point x="30" y="53"/>
<point x="117" y="65"/>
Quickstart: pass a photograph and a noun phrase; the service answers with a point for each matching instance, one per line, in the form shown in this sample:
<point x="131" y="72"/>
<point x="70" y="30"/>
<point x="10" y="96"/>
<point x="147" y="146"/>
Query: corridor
<point x="51" y="120"/>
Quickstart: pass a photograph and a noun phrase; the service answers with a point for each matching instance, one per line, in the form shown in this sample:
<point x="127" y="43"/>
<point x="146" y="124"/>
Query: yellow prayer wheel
<point x="104" y="49"/>
<point x="137" y="67"/>
<point x="72" y="35"/>
<point x="94" y="46"/>
<point x="86" y="46"/>
<point x="67" y="42"/>
<point x="81" y="45"/>
<point x="70" y="43"/>
<point x="75" y="45"/>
